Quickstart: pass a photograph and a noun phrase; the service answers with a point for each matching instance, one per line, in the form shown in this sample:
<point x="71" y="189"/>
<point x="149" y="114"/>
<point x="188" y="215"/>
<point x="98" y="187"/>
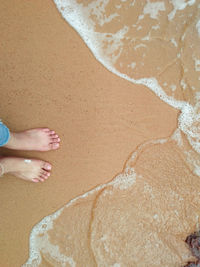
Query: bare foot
<point x="28" y="169"/>
<point x="39" y="139"/>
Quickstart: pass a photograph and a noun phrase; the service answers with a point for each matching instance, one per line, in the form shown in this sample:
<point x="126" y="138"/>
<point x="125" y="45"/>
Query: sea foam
<point x="108" y="47"/>
<point x="139" y="218"/>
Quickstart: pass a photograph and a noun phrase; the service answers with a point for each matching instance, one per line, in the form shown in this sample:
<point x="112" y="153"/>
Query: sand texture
<point x="49" y="78"/>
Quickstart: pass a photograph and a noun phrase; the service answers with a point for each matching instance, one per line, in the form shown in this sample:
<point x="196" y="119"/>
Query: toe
<point x="54" y="145"/>
<point x="43" y="173"/>
<point x="53" y="135"/>
<point x="45" y="176"/>
<point x="52" y="132"/>
<point x="46" y="166"/>
<point x="55" y="140"/>
<point x="41" y="179"/>
<point x="46" y="129"/>
<point x="35" y="180"/>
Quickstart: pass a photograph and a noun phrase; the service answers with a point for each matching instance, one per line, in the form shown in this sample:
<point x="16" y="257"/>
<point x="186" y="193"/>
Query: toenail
<point x="48" y="167"/>
<point x="35" y="180"/>
<point x="54" y="145"/>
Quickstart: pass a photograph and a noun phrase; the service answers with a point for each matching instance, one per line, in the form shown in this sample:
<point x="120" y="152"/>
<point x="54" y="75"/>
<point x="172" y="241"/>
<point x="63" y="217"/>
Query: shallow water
<point x="143" y="216"/>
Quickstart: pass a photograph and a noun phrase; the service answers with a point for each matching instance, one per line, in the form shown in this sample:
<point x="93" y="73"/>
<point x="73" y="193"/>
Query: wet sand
<point x="50" y="78"/>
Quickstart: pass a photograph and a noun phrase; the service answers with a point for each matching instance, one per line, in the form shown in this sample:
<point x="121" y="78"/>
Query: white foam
<point x="124" y="181"/>
<point x="183" y="84"/>
<point x="78" y="17"/>
<point x="45" y="246"/>
<point x="140" y="17"/>
<point x="139" y="46"/>
<point x="75" y="18"/>
<point x="174" y="42"/>
<point x="156" y="27"/>
<point x="197" y="170"/>
<point x="97" y="8"/>
<point x="197" y="96"/>
<point x="121" y="181"/>
<point x="139" y="28"/>
<point x="179" y="5"/>
<point x="173" y="87"/>
<point x="155" y="216"/>
<point x="133" y="65"/>
<point x="182" y="4"/>
<point x="40" y="228"/>
<point x="133" y="3"/>
<point x="153" y="9"/>
<point x="118" y="6"/>
<point x="198" y="27"/>
<point x="197" y="64"/>
<point x="177" y="137"/>
<point x="189" y="123"/>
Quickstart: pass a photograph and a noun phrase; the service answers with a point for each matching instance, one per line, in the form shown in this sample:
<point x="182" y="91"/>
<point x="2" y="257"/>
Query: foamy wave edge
<point x="71" y="12"/>
<point x="123" y="180"/>
<point x="187" y="117"/>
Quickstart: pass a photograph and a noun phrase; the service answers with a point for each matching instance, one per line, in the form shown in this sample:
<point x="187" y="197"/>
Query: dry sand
<point x="50" y="78"/>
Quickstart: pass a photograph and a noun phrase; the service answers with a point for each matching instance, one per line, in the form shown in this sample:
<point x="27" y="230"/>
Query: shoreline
<point x="43" y="56"/>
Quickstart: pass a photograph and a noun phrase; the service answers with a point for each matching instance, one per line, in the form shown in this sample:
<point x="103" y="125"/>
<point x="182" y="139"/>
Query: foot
<point x="27" y="169"/>
<point x="40" y="139"/>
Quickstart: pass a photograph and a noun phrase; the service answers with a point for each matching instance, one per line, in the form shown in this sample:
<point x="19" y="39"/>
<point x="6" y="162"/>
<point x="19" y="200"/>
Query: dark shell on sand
<point x="193" y="264"/>
<point x="193" y="242"/>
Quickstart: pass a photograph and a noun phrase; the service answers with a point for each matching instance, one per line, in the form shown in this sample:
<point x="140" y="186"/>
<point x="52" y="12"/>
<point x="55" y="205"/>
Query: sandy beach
<point x="49" y="78"/>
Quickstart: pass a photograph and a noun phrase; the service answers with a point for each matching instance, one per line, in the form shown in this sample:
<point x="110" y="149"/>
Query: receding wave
<point x="142" y="217"/>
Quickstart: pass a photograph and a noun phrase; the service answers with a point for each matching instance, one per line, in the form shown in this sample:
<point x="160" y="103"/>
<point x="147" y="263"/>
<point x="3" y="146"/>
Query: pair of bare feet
<point x="40" y="139"/>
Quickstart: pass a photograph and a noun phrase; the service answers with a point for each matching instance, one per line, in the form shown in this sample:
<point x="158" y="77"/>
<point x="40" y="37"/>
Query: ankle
<point x="2" y="169"/>
<point x="4" y="166"/>
<point x="10" y="141"/>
